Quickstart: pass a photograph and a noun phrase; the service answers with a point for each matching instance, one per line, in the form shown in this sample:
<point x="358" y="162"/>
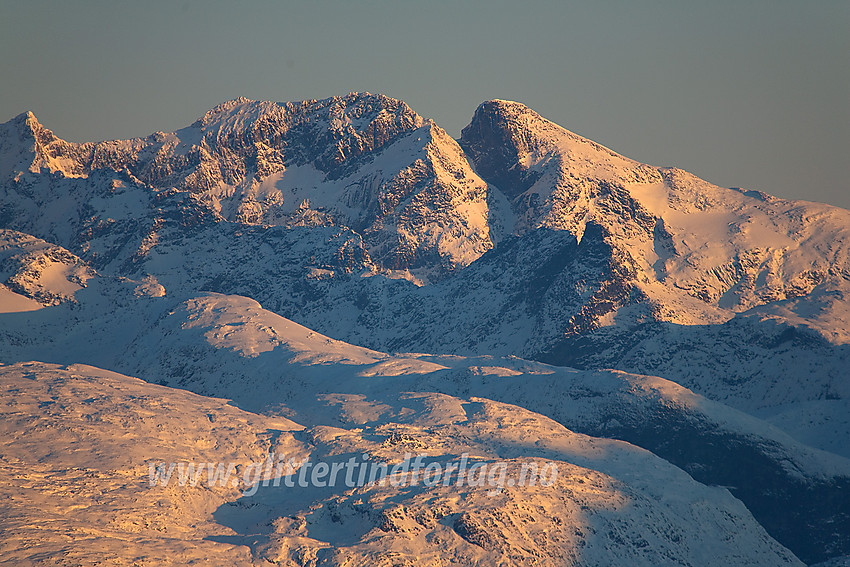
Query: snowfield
<point x="78" y="440"/>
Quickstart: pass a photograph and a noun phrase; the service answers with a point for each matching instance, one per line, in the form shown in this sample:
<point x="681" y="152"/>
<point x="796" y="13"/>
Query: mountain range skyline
<point x="748" y="95"/>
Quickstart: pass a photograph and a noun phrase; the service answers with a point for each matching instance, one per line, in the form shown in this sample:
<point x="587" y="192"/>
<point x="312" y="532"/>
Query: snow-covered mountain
<point x="728" y="248"/>
<point x="364" y="161"/>
<point x="364" y="222"/>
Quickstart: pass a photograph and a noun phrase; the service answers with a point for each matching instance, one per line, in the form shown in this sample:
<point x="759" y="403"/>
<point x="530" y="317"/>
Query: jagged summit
<point x="28" y="126"/>
<point x="30" y="146"/>
<point x="340" y="111"/>
<point x="27" y="118"/>
<point x="364" y="161"/>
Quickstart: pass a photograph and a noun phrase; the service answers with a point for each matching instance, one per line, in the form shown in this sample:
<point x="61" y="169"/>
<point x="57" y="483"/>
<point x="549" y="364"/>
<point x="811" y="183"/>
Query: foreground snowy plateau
<point x="267" y="282"/>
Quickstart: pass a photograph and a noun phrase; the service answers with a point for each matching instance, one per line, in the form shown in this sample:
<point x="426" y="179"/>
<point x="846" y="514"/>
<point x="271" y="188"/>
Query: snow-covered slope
<point x="228" y="346"/>
<point x="40" y="271"/>
<point x="77" y="442"/>
<point x="733" y="293"/>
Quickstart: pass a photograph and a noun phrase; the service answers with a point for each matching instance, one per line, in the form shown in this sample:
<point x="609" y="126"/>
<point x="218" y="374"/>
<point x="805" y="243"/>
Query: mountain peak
<point x="28" y="125"/>
<point x="26" y="118"/>
<point x="28" y="145"/>
<point x="502" y="105"/>
<point x="510" y="112"/>
<point x="525" y="128"/>
<point x="354" y="105"/>
<point x="511" y="145"/>
<point x="229" y="105"/>
<point x="500" y="134"/>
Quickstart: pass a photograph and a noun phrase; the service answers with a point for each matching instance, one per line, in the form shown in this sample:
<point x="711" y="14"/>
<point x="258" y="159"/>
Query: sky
<point x="743" y="93"/>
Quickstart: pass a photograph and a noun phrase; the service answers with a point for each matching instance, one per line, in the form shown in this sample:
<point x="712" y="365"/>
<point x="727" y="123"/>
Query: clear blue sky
<point x="741" y="93"/>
